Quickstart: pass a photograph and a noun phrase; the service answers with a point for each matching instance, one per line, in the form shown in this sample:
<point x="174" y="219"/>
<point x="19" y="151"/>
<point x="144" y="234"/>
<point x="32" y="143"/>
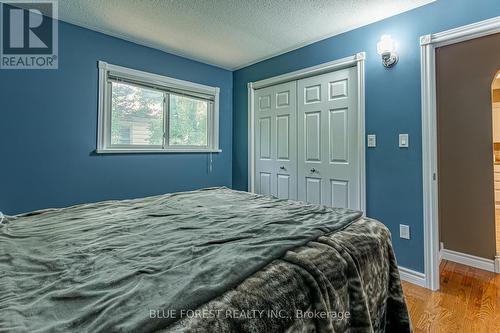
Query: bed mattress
<point x="208" y="260"/>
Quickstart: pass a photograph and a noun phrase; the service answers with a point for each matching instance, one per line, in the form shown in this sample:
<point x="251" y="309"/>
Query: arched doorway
<point x="495" y="100"/>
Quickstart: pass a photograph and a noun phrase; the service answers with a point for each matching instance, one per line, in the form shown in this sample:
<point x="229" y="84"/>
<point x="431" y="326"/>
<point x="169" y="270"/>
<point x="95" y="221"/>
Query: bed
<point x="211" y="260"/>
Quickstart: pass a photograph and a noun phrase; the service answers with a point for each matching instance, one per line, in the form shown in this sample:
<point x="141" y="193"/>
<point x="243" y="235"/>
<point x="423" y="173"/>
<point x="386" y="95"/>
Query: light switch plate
<point x="404" y="231"/>
<point x="403" y="141"/>
<point x="372" y="140"/>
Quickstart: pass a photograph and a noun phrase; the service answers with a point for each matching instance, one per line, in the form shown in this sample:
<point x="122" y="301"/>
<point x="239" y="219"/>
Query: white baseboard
<point x="412" y="276"/>
<point x="470" y="260"/>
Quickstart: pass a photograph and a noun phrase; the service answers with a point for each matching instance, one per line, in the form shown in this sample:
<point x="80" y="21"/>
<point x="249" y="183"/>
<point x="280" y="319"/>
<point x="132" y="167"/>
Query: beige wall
<point x="465" y="72"/>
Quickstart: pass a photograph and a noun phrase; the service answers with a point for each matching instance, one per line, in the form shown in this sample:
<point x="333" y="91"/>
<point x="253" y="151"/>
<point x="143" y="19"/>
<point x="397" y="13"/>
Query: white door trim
<point x="428" y="45"/>
<point x="357" y="60"/>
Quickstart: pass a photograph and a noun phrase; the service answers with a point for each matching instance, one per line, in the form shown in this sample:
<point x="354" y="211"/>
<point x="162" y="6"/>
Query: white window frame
<point x="166" y="84"/>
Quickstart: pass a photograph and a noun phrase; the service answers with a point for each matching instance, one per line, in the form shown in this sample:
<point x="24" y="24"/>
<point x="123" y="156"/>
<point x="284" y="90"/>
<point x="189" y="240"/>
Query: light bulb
<point x="386" y="45"/>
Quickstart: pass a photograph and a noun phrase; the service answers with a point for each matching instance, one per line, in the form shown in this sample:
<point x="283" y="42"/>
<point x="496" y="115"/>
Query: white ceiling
<point x="228" y="33"/>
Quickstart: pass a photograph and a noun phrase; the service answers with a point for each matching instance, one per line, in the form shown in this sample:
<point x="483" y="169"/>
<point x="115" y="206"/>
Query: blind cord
<point x="210" y="162"/>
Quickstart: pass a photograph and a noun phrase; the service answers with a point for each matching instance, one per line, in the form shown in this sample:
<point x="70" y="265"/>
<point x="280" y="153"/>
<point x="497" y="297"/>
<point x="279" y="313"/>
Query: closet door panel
<point x="265" y="183"/>
<point x="264" y="163"/>
<point x="312" y="136"/>
<point x="328" y="139"/>
<point x="313" y="193"/>
<point x="276" y="139"/>
<point x="264" y="134"/>
<point x="283" y="137"/>
<point x="283" y="188"/>
<point x="338" y="135"/>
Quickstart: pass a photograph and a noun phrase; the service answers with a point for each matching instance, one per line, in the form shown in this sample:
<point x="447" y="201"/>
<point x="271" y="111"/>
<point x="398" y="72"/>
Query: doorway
<point x="495" y="102"/>
<point x="429" y="44"/>
<point x="465" y="157"/>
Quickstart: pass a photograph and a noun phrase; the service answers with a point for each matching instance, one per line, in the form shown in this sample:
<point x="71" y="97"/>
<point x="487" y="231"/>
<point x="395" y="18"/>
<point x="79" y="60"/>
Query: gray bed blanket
<point x="104" y="267"/>
<point x="347" y="281"/>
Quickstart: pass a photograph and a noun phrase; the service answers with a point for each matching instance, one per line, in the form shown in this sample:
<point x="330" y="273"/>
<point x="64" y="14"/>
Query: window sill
<point x="156" y="151"/>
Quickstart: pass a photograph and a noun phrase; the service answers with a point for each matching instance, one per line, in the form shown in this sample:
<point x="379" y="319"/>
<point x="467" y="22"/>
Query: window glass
<point x="187" y="121"/>
<point x="136" y="115"/>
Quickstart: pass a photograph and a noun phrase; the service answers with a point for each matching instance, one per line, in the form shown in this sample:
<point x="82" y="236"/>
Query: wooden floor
<point x="468" y="302"/>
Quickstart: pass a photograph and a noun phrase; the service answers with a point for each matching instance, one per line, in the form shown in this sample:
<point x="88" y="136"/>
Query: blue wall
<point x="48" y="122"/>
<point x="394" y="176"/>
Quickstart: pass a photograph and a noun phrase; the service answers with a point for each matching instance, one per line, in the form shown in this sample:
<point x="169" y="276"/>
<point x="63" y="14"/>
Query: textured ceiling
<point x="228" y="33"/>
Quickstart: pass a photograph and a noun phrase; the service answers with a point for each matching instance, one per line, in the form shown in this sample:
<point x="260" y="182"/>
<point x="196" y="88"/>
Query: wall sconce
<point x="387" y="49"/>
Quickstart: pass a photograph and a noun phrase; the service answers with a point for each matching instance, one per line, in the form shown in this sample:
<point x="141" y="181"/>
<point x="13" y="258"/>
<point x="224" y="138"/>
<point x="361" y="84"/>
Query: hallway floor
<point x="468" y="302"/>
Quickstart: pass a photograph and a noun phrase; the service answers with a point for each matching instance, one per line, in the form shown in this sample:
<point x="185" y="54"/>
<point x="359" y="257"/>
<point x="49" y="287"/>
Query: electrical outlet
<point x="404" y="231"/>
<point x="372" y="140"/>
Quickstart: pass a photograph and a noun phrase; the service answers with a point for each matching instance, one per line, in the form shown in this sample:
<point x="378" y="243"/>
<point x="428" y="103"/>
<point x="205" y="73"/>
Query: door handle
<point x="313" y="170"/>
<point x="282" y="167"/>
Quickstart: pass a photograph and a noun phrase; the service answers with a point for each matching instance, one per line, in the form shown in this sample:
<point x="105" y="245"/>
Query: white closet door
<point x="328" y="139"/>
<point x="276" y="140"/>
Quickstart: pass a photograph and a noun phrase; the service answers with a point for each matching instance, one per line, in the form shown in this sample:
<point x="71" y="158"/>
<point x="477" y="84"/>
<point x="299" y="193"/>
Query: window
<point x="136" y="116"/>
<point x="143" y="112"/>
<point x="188" y="121"/>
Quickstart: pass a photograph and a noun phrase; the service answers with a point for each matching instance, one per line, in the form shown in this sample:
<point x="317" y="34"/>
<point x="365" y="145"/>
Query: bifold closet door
<point x="276" y="140"/>
<point x="328" y="139"/>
